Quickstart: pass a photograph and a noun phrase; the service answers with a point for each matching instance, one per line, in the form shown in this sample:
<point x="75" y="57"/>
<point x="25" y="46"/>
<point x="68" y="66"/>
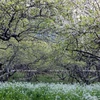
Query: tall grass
<point x="46" y="91"/>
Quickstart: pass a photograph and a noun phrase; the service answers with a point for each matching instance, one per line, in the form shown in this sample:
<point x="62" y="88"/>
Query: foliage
<point x="51" y="34"/>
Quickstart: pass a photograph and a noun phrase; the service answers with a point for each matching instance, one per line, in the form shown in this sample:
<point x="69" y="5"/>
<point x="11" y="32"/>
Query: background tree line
<point x="48" y="35"/>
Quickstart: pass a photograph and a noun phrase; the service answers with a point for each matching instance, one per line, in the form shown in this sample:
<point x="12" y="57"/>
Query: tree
<point x="21" y="19"/>
<point x="82" y="38"/>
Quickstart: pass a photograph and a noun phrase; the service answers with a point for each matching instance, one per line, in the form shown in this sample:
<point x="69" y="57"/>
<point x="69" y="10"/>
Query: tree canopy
<point x="51" y="33"/>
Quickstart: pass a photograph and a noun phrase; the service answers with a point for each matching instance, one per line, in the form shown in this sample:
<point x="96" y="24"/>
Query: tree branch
<point x="88" y="54"/>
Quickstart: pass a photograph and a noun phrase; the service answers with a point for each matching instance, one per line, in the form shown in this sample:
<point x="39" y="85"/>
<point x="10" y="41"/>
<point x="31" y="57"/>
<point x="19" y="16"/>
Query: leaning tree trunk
<point x="5" y="74"/>
<point x="98" y="71"/>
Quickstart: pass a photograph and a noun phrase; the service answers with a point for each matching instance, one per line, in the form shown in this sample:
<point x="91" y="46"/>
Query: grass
<point x="46" y="91"/>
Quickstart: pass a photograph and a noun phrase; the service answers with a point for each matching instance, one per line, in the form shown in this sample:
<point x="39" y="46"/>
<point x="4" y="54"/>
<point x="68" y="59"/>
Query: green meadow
<point x="48" y="91"/>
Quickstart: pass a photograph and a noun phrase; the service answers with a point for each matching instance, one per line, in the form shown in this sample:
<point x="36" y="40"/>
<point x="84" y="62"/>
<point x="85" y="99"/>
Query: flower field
<point x="46" y="91"/>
